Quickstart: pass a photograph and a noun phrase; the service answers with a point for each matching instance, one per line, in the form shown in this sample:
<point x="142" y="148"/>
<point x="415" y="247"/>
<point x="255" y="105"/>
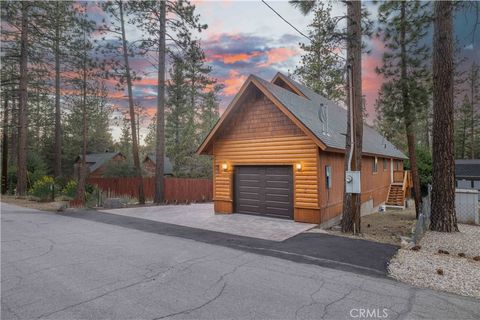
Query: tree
<point x="161" y="20"/>
<point x="22" y="104"/>
<point x="118" y="11"/>
<point x="474" y="84"/>
<point x="403" y="27"/>
<point x="443" y="216"/>
<point x="320" y="67"/>
<point x="351" y="201"/>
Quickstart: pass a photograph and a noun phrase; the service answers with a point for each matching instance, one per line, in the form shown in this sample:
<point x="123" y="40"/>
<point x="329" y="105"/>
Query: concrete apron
<point x="202" y="216"/>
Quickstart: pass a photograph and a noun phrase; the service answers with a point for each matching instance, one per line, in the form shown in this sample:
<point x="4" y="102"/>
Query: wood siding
<point x="375" y="185"/>
<point x="260" y="134"/>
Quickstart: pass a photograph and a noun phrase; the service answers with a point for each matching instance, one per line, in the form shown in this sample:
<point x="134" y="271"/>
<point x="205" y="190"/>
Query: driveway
<point x="61" y="267"/>
<point x="202" y="216"/>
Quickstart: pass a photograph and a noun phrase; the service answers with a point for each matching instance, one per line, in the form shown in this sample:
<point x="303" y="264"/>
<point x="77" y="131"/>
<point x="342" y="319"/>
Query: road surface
<point x="60" y="267"/>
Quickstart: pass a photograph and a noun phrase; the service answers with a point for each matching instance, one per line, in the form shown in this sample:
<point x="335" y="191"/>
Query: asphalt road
<point x="60" y="267"/>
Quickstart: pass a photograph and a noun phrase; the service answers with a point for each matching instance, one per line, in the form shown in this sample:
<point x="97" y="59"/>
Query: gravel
<point x="461" y="275"/>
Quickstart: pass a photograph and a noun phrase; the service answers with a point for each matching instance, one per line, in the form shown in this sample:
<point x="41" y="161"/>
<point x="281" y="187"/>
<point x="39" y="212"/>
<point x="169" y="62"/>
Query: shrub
<point x="36" y="168"/>
<point x="70" y="189"/>
<point x="43" y="188"/>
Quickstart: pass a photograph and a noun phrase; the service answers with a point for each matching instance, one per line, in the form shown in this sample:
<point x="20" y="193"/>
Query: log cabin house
<point x="149" y="165"/>
<point x="279" y="150"/>
<point x="97" y="163"/>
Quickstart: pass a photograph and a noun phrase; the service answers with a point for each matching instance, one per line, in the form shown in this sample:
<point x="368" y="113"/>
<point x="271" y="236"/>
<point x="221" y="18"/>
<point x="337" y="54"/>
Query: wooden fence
<point x="176" y="189"/>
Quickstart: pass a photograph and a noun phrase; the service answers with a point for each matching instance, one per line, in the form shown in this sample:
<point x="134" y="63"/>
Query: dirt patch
<point x="25" y="202"/>
<point x="384" y="227"/>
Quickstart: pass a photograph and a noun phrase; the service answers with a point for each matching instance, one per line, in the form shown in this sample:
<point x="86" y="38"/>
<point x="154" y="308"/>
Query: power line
<point x="296" y="29"/>
<point x="291" y="25"/>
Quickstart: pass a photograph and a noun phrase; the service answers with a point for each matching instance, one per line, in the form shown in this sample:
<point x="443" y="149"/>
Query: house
<point x="279" y="150"/>
<point x="97" y="163"/>
<point x="467" y="174"/>
<point x="149" y="165"/>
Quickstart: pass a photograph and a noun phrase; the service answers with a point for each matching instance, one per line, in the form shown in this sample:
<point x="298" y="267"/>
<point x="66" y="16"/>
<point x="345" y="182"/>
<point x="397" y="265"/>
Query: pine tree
<point x="443" y="216"/>
<point x="320" y="67"/>
<point x="119" y="12"/>
<point x="403" y="27"/>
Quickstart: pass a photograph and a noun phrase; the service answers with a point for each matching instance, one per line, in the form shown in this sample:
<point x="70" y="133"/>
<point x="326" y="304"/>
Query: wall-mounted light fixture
<point x="298" y="166"/>
<point x="224" y="166"/>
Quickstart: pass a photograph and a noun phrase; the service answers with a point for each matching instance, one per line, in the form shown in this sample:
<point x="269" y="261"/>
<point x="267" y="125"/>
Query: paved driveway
<point x="202" y="216"/>
<point x="60" y="267"/>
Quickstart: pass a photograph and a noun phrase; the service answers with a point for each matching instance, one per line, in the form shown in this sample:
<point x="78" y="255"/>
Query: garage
<point x="264" y="190"/>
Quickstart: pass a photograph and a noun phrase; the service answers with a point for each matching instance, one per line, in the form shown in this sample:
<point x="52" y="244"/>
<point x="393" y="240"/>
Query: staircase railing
<point x="407" y="180"/>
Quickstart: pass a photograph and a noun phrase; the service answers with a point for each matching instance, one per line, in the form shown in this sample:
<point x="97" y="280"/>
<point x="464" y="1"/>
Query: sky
<point x="246" y="37"/>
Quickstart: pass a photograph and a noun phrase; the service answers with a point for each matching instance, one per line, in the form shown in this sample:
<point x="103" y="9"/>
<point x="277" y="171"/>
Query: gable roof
<point x="96" y="160"/>
<point x="167" y="164"/>
<point x="468" y="168"/>
<point x="304" y="110"/>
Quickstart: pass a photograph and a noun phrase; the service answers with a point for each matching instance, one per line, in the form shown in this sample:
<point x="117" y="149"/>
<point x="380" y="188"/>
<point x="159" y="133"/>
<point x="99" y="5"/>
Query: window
<point x="385" y="164"/>
<point x="328" y="177"/>
<point x="375" y="165"/>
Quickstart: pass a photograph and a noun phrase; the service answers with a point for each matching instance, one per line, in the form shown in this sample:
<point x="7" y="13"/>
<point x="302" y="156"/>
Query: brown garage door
<point x="265" y="190"/>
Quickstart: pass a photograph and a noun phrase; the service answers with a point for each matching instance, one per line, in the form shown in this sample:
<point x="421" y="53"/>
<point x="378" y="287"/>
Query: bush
<point x="43" y="188"/>
<point x="70" y="189"/>
<point x="36" y="168"/>
<point x="120" y="169"/>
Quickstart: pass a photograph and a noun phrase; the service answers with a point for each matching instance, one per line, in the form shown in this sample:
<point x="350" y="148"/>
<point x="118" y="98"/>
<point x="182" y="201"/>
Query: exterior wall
<point x="260" y="134"/>
<point x="375" y="185"/>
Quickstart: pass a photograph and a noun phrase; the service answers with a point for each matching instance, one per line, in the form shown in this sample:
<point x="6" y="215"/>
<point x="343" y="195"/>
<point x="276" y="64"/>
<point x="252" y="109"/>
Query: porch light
<point x="224" y="166"/>
<point x="298" y="166"/>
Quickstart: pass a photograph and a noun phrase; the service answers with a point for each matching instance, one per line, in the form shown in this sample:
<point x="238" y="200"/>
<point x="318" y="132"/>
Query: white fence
<point x="467" y="206"/>
<point x="467" y="209"/>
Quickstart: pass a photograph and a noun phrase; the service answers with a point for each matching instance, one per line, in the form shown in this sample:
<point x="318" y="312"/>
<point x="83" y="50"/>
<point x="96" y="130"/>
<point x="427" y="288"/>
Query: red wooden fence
<point x="176" y="189"/>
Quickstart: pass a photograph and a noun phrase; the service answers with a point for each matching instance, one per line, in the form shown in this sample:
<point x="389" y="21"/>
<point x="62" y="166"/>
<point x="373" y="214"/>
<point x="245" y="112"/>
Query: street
<point x="60" y="267"/>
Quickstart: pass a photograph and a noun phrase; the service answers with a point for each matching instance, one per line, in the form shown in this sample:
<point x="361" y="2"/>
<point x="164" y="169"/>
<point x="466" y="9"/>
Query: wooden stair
<point x="395" y="195"/>
<point x="399" y="189"/>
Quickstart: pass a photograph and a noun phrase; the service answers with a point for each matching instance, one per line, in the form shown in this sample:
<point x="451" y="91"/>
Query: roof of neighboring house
<point x="467" y="168"/>
<point x="97" y="160"/>
<point x="167" y="164"/>
<point x="306" y="109"/>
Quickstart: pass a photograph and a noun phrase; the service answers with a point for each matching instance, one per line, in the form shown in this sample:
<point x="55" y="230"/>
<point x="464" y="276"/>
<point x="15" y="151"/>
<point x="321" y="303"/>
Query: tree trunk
<point x="351" y="202"/>
<point x="14" y="132"/>
<point x="472" y="111"/>
<point x="136" y="157"/>
<point x="57" y="166"/>
<point x="409" y="113"/>
<point x="80" y="192"/>
<point x="22" y="106"/>
<point x="160" y="133"/>
<point x="443" y="217"/>
<point x="5" y="147"/>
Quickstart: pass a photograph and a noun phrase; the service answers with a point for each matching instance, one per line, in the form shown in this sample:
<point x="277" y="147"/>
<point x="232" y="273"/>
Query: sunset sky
<point x="246" y="37"/>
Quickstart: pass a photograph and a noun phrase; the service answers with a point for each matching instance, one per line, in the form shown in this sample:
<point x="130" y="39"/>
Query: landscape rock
<point x="113" y="203"/>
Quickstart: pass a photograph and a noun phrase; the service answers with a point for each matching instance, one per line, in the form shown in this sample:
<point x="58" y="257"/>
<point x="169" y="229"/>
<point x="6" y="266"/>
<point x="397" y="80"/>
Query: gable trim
<point x="289" y="83"/>
<point x="278" y="104"/>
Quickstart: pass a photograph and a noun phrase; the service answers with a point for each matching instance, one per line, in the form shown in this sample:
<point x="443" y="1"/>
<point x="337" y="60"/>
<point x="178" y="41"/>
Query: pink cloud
<point x="233" y="82"/>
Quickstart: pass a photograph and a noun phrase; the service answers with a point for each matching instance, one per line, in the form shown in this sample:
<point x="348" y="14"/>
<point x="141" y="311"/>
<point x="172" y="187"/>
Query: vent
<point x="323" y="117"/>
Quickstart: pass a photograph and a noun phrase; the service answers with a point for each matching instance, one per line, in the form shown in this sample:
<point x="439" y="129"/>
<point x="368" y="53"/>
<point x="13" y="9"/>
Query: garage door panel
<point x="265" y="190"/>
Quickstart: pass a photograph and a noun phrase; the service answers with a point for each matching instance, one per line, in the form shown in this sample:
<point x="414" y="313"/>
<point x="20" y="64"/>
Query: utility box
<point x="352" y="182"/>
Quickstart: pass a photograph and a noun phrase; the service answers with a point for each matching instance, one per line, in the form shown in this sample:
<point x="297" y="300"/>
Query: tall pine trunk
<point x="57" y="165"/>
<point x="22" y="106"/>
<point x="136" y="157"/>
<point x="5" y="147"/>
<point x="80" y="192"/>
<point x="160" y="130"/>
<point x="472" y="112"/>
<point x="443" y="217"/>
<point x="351" y="202"/>
<point x="409" y="112"/>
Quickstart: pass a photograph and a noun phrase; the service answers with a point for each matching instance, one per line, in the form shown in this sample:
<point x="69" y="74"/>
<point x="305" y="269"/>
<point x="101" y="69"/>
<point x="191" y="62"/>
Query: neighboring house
<point x="467" y="174"/>
<point x="97" y="163"/>
<point x="279" y="150"/>
<point x="149" y="165"/>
